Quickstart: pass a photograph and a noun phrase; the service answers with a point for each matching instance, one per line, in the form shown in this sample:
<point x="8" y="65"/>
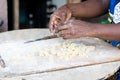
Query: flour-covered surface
<point x="55" y="54"/>
<point x="95" y="72"/>
<point x="43" y="55"/>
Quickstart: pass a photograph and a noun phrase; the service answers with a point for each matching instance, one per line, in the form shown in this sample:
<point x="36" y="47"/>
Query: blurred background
<point x="24" y="14"/>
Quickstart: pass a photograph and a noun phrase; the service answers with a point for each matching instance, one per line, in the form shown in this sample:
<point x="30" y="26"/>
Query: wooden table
<point x="93" y="72"/>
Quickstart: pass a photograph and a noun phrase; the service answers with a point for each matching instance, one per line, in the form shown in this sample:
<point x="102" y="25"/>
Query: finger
<point x="57" y="21"/>
<point x="68" y="16"/>
<point x="53" y="21"/>
<point x="64" y="32"/>
<point x="67" y="37"/>
<point x="63" y="16"/>
<point x="58" y="26"/>
<point x="51" y="24"/>
<point x="65" y="27"/>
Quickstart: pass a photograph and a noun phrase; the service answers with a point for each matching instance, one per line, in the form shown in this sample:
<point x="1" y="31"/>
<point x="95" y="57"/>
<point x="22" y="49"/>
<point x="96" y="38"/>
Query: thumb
<point x="68" y="17"/>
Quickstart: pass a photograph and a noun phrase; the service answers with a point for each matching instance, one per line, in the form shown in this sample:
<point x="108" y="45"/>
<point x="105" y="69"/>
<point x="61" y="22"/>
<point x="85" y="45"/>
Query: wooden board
<point x="60" y="69"/>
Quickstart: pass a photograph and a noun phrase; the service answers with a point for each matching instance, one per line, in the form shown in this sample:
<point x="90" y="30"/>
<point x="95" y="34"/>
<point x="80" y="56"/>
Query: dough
<point x="67" y="50"/>
<point x="29" y="55"/>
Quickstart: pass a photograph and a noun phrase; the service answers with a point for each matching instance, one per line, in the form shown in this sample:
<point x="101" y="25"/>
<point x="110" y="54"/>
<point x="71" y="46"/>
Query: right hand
<point x="73" y="29"/>
<point x="58" y="17"/>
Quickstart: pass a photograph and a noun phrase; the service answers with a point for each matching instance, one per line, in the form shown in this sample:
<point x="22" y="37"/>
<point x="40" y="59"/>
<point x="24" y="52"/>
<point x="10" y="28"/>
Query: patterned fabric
<point x="112" y="5"/>
<point x="114" y="12"/>
<point x="116" y="17"/>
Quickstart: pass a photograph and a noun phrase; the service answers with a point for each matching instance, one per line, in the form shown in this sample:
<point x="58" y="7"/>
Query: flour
<point x="20" y="55"/>
<point x="68" y="50"/>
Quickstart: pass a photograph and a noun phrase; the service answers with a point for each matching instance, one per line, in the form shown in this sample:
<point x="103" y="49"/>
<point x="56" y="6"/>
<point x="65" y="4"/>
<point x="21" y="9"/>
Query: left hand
<point x="76" y="29"/>
<point x="58" y="17"/>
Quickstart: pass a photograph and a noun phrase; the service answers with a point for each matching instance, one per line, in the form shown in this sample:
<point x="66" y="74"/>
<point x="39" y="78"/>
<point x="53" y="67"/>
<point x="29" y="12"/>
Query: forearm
<point x="109" y="31"/>
<point x="89" y="9"/>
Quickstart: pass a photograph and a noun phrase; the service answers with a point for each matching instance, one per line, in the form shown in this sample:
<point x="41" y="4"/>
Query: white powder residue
<point x="18" y="54"/>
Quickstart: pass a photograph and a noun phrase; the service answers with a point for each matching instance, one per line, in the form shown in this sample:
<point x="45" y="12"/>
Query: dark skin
<point x="60" y="21"/>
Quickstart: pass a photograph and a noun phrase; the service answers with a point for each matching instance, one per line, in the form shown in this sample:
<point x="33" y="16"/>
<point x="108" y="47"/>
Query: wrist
<point x="99" y="30"/>
<point x="94" y="31"/>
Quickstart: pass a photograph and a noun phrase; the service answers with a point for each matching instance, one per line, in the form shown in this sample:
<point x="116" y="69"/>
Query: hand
<point x="76" y="29"/>
<point x="58" y="17"/>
